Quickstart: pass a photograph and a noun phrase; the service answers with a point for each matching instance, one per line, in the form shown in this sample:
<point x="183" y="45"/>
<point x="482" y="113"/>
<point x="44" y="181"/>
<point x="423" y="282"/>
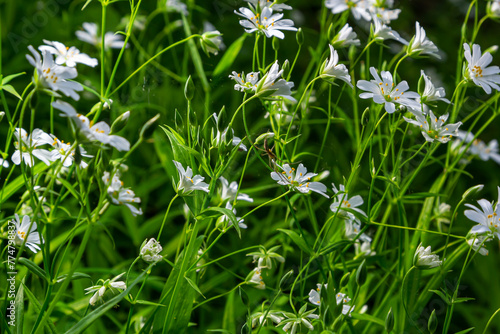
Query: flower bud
<point x="243" y="296"/>
<point x="264" y="136"/>
<point x="147" y="129"/>
<point x="286" y="280"/>
<point x="150" y="251"/>
<point x="189" y="89"/>
<point x="389" y="321"/>
<point x="2" y="114"/>
<point x="276" y="44"/>
<point x="286" y="68"/>
<point x="345" y="279"/>
<point x="120" y="122"/>
<point x="472" y="191"/>
<point x="300" y="37"/>
<point x="361" y="273"/>
<point x="424" y="259"/>
<point x="211" y="42"/>
<point x="433" y="322"/>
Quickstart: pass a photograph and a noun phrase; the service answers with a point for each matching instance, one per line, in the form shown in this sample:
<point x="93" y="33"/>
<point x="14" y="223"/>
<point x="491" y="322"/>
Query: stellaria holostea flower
<point x="188" y="182"/>
<point x="421" y="45"/>
<point x="423" y="258"/>
<point x="477" y="70"/>
<point x="432" y="127"/>
<point x="27" y="147"/>
<point x="27" y="235"/>
<point x="299" y="179"/>
<point x="67" y="55"/>
<point x="89" y="35"/>
<point x="332" y="70"/>
<point x="266" y="22"/>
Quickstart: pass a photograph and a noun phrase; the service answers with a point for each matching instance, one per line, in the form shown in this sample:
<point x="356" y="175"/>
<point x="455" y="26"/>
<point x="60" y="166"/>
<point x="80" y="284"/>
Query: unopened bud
<point x="389" y="321"/>
<point x="120" y="122"/>
<point x="361" y="273"/>
<point x="189" y="89"/>
<point x="147" y="129"/>
<point x="433" y="322"/>
<point x="276" y="44"/>
<point x="472" y="191"/>
<point x="300" y="37"/>
<point x="2" y="114"/>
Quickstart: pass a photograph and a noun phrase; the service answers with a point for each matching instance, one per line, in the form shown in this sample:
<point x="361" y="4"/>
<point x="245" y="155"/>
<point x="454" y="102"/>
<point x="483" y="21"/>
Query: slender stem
<point x="266" y="203"/>
<point x="165" y="217"/>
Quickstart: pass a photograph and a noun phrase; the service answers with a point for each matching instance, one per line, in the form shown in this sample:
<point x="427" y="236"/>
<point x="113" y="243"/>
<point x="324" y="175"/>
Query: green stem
<point x="165" y="217"/>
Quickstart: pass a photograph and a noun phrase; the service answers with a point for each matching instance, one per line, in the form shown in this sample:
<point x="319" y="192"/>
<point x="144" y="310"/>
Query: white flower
<point x="477" y="244"/>
<point x="381" y="10"/>
<point x="120" y="195"/>
<point x="99" y="131"/>
<point x="424" y="259"/>
<point x="363" y="248"/>
<point x="4" y="163"/>
<point x="272" y="85"/>
<point x="331" y="68"/>
<point x="264" y="257"/>
<point x="343" y="201"/>
<point x="477" y="70"/>
<point x="383" y="91"/>
<point x="67" y="55"/>
<point x="342" y="298"/>
<point x="89" y="35"/>
<point x="225" y="222"/>
<point x="431" y="93"/>
<point x="358" y="8"/>
<point x="99" y="290"/>
<point x="435" y="129"/>
<point x="229" y="191"/>
<point x="188" y="182"/>
<point x="26" y="234"/>
<point x="176" y="6"/>
<point x="299" y="180"/>
<point x="52" y="76"/>
<point x="345" y="37"/>
<point x="382" y="32"/>
<point x="421" y="45"/>
<point x="494" y="8"/>
<point x="295" y="321"/>
<point x="479" y="147"/>
<point x="268" y="3"/>
<point x="487" y="217"/>
<point x="266" y="22"/>
<point x="150" y="251"/>
<point x="62" y="151"/>
<point x="262" y="317"/>
<point x="256" y="278"/>
<point x="246" y="84"/>
<point x="315" y="295"/>
<point x="211" y="40"/>
<point x="27" y="147"/>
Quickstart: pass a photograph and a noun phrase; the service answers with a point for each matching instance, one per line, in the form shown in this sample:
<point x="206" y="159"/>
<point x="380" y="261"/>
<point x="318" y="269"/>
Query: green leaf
<point x="367" y="317"/>
<point x="8" y="78"/>
<point x="297" y="239"/>
<point x="12" y="90"/>
<point x="462" y="300"/>
<point x="19" y="309"/>
<point x="466" y="331"/>
<point x="75" y="276"/>
<point x="33" y="267"/>
<point x="229" y="57"/>
<point x="443" y="296"/>
<point x="194" y="286"/>
<point x="37" y="307"/>
<point x="333" y="247"/>
<point x="229" y="317"/>
<point x="147" y="302"/>
<point x="90" y="318"/>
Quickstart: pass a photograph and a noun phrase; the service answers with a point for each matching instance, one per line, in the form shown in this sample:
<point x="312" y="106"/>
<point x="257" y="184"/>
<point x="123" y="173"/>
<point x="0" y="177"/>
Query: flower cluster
<point x="299" y="180"/>
<point x="113" y="286"/>
<point x="264" y="259"/>
<point x="120" y="195"/>
<point x="340" y="299"/>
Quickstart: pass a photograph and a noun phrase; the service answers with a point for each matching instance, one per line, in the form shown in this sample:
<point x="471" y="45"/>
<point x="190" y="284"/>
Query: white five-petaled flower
<point x="27" y="147"/>
<point x="384" y="91"/>
<point x="421" y="45"/>
<point x="494" y="8"/>
<point x="382" y="9"/>
<point x="358" y="8"/>
<point x="99" y="131"/>
<point x="65" y="153"/>
<point x="299" y="179"/>
<point x="477" y="70"/>
<point x="293" y="321"/>
<point x="342" y="201"/>
<point x="4" y="163"/>
<point x="435" y="128"/>
<point x="479" y="147"/>
<point x="264" y="257"/>
<point x="431" y="93"/>
<point x="219" y="138"/>
<point x="342" y="298"/>
<point x="255" y="277"/>
<point x="229" y="191"/>
<point x="188" y="182"/>
<point x="266" y="22"/>
<point x="211" y="40"/>
<point x="487" y="217"/>
<point x="120" y="195"/>
<point x="67" y="55"/>
<point x="150" y="251"/>
<point x="277" y="7"/>
<point x="315" y="295"/>
<point x="382" y="32"/>
<point x="244" y="83"/>
<point x="89" y="35"/>
<point x="26" y="234"/>
<point x="112" y="285"/>
<point x="52" y="76"/>
<point x="331" y="68"/>
<point x="424" y="258"/>
<point x="345" y="37"/>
